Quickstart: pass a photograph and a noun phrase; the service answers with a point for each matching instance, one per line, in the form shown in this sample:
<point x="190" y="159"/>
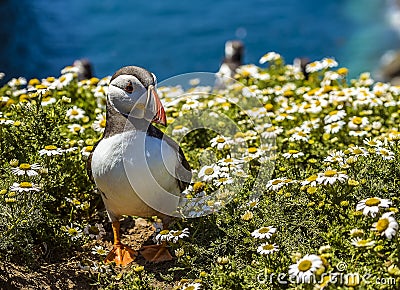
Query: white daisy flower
<point x="270" y="56"/>
<point x="330" y="176"/>
<point x="76" y="128"/>
<point x="372" y="142"/>
<point x="334" y="116"/>
<point x="162" y="236"/>
<point x="329" y="62"/>
<point x="272" y="132"/>
<point x="75" y="113"/>
<point x="310" y="181"/>
<point x="24" y="186"/>
<point x="334" y="127"/>
<point x="300" y="135"/>
<point x="386" y="154"/>
<point x="370" y="206"/>
<point x="358" y="151"/>
<point x="276" y="184"/>
<point x="74" y="232"/>
<point x="263" y="232"/>
<point x="209" y="172"/>
<point x="386" y="225"/>
<point x="358" y="123"/>
<point x="293" y="154"/>
<point x="336" y="156"/>
<point x="229" y="162"/>
<point x="99" y="250"/>
<point x="223" y="179"/>
<point x="304" y="269"/>
<point x="100" y="123"/>
<point x="48" y="101"/>
<point x="50" y="150"/>
<point x="180" y="130"/>
<point x="25" y="168"/>
<point x="96" y="231"/>
<point x="191" y="286"/>
<point x="175" y="235"/>
<point x="266" y="249"/>
<point x="221" y="142"/>
<point x="314" y="67"/>
<point x="362" y="243"/>
<point x="86" y="151"/>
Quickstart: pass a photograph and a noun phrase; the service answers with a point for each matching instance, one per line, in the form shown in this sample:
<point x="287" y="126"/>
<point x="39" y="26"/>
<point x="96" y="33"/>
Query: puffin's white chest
<point x="136" y="173"/>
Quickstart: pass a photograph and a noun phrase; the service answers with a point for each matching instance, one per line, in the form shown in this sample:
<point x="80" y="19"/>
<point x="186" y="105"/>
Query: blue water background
<point x="170" y="37"/>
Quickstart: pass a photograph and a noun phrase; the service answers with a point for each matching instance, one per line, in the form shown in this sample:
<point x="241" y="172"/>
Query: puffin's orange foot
<point x="156" y="253"/>
<point x="121" y="254"/>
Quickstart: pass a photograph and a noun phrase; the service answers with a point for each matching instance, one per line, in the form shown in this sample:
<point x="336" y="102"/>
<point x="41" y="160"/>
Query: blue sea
<point x="39" y="38"/>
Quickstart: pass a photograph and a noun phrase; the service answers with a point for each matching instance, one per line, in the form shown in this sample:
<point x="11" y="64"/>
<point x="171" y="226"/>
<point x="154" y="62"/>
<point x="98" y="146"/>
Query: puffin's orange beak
<point x="160" y="117"/>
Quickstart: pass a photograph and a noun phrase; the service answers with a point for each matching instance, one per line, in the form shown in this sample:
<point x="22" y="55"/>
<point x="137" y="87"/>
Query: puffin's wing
<point x="183" y="171"/>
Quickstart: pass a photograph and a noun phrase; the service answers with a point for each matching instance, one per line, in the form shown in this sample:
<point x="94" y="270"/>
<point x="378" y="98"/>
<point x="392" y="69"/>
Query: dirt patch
<point x="67" y="273"/>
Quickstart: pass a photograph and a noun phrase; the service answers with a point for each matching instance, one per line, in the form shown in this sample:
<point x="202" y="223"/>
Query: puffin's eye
<point x="129" y="88"/>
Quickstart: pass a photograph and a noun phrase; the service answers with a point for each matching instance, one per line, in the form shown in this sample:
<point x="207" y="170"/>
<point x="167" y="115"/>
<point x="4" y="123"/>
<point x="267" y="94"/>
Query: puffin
<point x="234" y="50"/>
<point x="138" y="170"/>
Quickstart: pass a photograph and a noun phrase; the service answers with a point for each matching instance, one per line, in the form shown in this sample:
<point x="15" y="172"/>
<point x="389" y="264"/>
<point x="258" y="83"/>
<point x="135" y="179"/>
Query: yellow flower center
<point x="178" y="127"/>
<point x="275" y="182"/>
<point x="190" y="287"/>
<point x="77" y="128"/>
<point x="228" y="160"/>
<point x="270" y="129"/>
<point x="384" y="152"/>
<point x="268" y="247"/>
<point x="357" y="151"/>
<point x="89" y="148"/>
<point x="362" y="243"/>
<point x="333" y="113"/>
<point x="74" y="112"/>
<point x="293" y="151"/>
<point x="264" y="230"/>
<point x="372" y="201"/>
<point x="72" y="231"/>
<point x="330" y="173"/>
<point x="50" y="147"/>
<point x="209" y="171"/>
<point x="221" y="140"/>
<point x="25" y="184"/>
<point x="164" y="232"/>
<point x="102" y="123"/>
<point x="252" y="150"/>
<point x="312" y="178"/>
<point x="382" y="225"/>
<point x="177" y="233"/>
<point x="94" y="230"/>
<point x="304" y="265"/>
<point x="25" y="166"/>
<point x="357" y="120"/>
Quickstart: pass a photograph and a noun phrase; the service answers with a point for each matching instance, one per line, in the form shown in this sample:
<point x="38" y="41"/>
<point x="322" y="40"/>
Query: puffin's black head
<point x="132" y="92"/>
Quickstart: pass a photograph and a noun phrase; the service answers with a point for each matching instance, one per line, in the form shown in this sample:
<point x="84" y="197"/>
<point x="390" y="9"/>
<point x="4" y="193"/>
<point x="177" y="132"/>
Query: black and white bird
<point x="234" y="50"/>
<point x="138" y="170"/>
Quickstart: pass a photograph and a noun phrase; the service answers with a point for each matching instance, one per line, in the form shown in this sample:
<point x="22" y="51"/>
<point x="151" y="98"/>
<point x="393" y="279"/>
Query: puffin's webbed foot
<point x="156" y="253"/>
<point x="121" y="254"/>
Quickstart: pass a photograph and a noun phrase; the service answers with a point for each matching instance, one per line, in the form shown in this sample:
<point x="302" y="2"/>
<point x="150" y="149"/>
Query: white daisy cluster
<point x="265" y="233"/>
<point x="171" y="235"/>
<point x="385" y="225"/>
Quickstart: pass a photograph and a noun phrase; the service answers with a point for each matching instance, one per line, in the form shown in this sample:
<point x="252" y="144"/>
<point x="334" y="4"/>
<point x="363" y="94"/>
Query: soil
<point x="67" y="274"/>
